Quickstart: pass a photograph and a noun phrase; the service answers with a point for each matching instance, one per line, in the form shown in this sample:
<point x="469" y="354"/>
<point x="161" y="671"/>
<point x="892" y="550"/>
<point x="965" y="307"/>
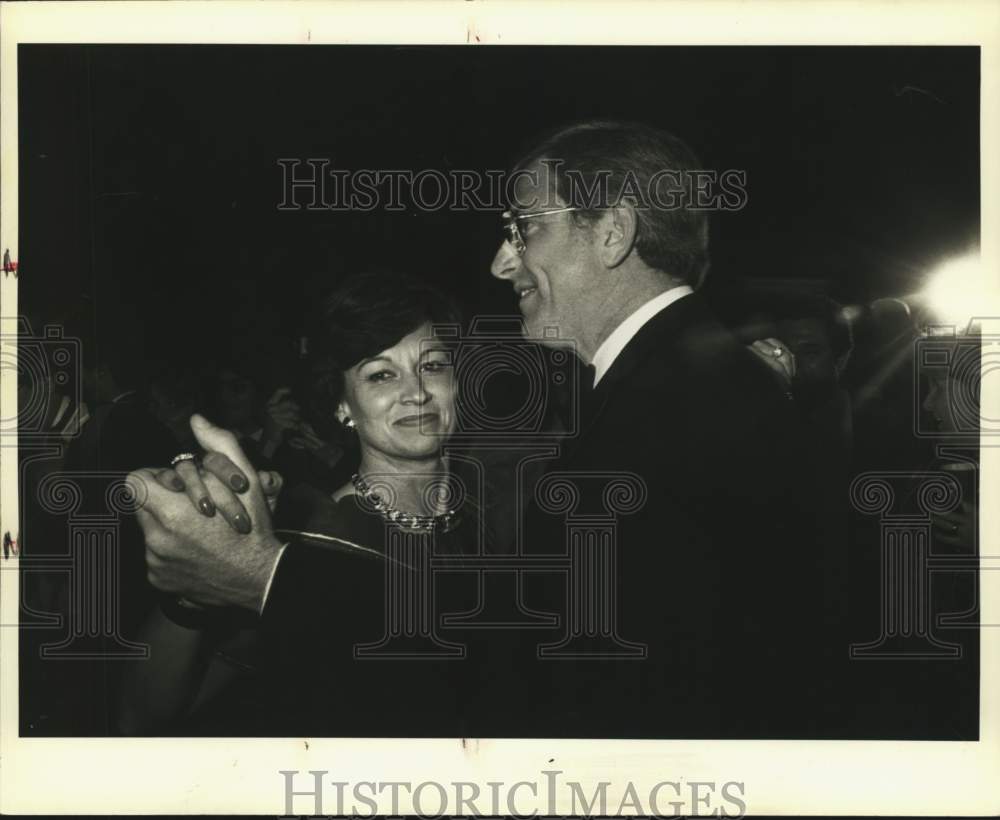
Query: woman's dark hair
<point x="366" y="314"/>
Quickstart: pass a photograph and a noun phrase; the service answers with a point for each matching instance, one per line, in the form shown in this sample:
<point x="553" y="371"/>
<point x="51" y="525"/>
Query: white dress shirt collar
<point x="622" y="335"/>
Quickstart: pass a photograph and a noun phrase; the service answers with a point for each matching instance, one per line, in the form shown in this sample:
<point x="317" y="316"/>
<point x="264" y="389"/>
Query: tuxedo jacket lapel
<point x="651" y="339"/>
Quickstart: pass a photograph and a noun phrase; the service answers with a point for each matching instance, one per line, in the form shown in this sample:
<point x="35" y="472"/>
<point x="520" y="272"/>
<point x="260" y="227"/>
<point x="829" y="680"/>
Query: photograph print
<point x="623" y="392"/>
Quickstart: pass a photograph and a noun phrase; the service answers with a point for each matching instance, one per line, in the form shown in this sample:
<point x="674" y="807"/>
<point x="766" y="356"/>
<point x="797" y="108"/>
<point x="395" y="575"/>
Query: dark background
<point x="149" y="176"/>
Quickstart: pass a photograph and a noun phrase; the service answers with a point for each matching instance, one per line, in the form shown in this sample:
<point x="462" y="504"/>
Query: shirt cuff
<point x="270" y="581"/>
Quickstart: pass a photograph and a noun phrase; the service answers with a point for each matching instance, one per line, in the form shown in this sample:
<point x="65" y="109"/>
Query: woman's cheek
<point x="448" y="410"/>
<point x="448" y="388"/>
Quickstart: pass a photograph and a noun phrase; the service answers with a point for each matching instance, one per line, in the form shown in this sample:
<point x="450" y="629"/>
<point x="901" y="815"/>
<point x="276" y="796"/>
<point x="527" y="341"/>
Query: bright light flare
<point x="959" y="291"/>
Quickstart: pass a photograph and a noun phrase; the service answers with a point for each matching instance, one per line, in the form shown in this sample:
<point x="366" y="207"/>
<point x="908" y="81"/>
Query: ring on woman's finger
<point x="177" y="459"/>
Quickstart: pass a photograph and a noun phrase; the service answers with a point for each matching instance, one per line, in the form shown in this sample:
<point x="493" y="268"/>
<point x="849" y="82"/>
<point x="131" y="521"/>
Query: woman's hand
<point x="198" y="556"/>
<point x="224" y="496"/>
<point x="189" y="477"/>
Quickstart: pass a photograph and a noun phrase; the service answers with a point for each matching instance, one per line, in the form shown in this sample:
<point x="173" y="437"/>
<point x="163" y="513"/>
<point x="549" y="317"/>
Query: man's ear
<point x="617" y="234"/>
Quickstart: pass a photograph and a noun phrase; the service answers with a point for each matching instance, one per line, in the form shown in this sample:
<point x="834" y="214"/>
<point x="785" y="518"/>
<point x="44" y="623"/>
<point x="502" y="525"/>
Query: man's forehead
<point x="534" y="187"/>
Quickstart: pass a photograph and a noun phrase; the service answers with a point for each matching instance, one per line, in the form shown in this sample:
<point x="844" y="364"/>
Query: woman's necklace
<point x="444" y="522"/>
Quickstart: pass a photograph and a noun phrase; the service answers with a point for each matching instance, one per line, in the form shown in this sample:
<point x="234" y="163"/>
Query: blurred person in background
<point x="805" y="341"/>
<point x="121" y="432"/>
<point x="916" y="416"/>
<point x="819" y="337"/>
<point x="251" y="396"/>
<point x="240" y="401"/>
<point x="951" y="403"/>
<point x="50" y="412"/>
<point x="880" y="380"/>
<point x="174" y="394"/>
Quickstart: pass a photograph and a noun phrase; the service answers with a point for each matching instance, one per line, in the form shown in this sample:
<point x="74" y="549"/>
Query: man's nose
<point x="505" y="262"/>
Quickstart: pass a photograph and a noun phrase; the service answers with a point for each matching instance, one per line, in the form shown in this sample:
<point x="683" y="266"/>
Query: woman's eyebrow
<point x="363" y="362"/>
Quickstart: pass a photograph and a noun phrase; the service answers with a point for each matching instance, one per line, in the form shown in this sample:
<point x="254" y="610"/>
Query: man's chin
<point x="547" y="333"/>
<point x="538" y="329"/>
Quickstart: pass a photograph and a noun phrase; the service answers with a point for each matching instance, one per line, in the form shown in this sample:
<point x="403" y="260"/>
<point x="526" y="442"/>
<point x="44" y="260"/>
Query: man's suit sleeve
<point x="295" y="593"/>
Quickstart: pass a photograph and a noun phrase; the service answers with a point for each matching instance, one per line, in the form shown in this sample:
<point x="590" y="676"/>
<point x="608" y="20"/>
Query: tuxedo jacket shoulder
<point x="694" y="414"/>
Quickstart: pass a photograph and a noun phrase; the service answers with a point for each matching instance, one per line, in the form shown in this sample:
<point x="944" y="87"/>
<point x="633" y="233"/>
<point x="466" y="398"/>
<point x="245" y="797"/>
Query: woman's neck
<point x="405" y="483"/>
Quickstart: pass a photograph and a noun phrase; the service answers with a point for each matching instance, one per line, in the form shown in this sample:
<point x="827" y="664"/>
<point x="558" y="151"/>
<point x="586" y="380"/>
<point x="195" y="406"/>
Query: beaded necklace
<point x="443" y="522"/>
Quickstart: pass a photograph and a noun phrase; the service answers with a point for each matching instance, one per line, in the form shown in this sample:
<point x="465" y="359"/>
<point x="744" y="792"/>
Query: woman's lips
<point x="417" y="421"/>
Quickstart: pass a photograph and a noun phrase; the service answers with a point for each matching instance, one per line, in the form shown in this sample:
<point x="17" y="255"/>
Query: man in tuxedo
<point x="705" y="597"/>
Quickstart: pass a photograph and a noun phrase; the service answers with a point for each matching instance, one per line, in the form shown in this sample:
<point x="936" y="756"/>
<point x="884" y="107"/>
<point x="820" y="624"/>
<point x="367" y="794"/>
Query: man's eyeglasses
<point x="511" y="231"/>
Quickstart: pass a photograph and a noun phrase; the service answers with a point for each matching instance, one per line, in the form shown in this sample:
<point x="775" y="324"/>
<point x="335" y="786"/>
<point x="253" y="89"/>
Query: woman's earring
<point x="348" y="422"/>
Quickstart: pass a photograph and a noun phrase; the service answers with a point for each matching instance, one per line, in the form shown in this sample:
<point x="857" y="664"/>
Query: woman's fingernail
<point x="239" y="483"/>
<point x="177" y="484"/>
<point x="242" y="524"/>
<point x="206" y="507"/>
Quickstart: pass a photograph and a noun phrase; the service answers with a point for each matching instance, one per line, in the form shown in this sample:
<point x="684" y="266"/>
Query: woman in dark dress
<point x="384" y="375"/>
